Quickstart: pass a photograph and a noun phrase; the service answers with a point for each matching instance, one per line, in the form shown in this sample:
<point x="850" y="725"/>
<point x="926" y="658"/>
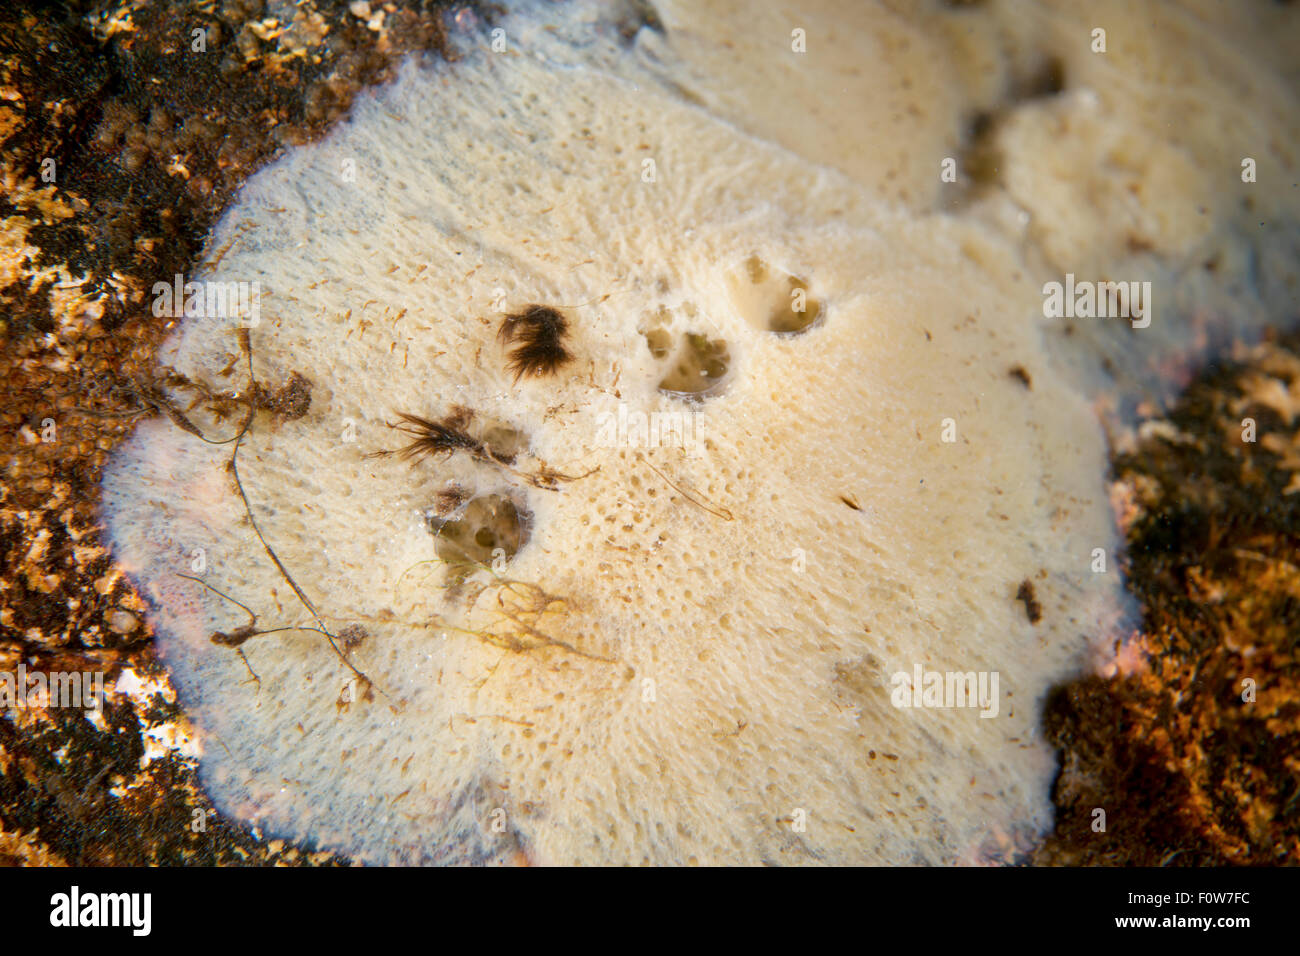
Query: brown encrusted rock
<point x="1193" y="748"/>
<point x="143" y="138"/>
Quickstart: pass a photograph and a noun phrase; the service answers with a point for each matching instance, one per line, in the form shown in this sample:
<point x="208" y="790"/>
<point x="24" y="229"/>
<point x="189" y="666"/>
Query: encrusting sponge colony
<point x="717" y="449"/>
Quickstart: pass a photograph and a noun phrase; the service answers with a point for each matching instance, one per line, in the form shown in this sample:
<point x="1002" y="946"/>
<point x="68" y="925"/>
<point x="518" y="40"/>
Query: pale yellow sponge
<point x="663" y="604"/>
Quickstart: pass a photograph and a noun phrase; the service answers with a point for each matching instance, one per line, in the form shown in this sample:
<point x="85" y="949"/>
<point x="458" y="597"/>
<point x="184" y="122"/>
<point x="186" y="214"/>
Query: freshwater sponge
<point x="691" y="654"/>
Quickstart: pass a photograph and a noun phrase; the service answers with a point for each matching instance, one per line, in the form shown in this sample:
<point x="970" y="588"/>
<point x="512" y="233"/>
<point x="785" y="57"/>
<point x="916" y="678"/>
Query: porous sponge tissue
<point x="687" y="653"/>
